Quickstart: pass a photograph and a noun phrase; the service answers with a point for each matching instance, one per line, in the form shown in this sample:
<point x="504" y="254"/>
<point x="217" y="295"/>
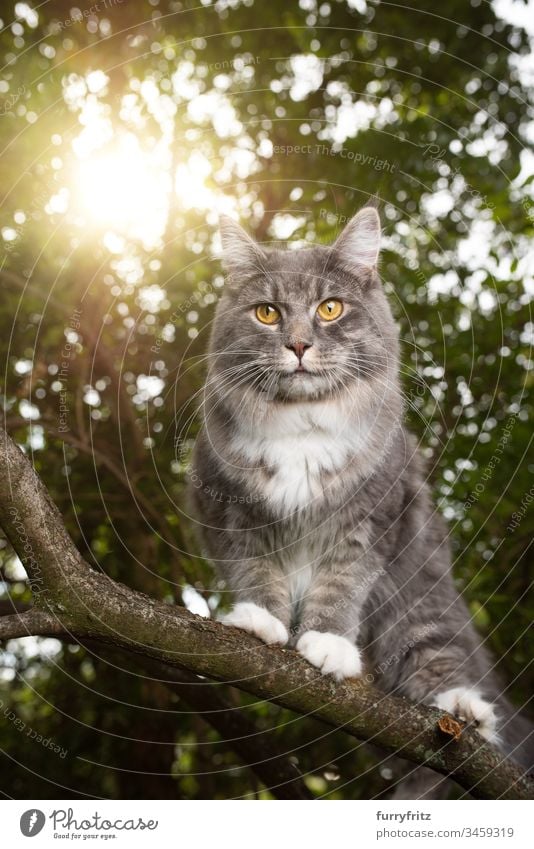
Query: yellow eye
<point x="329" y="310"/>
<point x="267" y="314"/>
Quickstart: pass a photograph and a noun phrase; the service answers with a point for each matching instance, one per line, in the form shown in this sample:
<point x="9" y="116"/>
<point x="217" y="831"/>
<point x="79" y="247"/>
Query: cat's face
<point x="307" y="324"/>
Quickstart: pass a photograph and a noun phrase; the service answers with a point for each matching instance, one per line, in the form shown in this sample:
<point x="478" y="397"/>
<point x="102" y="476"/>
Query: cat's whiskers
<point x="230" y="377"/>
<point x="407" y="402"/>
<point x="202" y="358"/>
<point x="256" y="397"/>
<point x="409" y="372"/>
<point x="217" y="379"/>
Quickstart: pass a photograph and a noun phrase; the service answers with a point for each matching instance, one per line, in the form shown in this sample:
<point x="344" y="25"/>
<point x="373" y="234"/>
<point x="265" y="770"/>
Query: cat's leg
<point x="332" y="653"/>
<point x="467" y="704"/>
<point x="330" y="618"/>
<point x="257" y="620"/>
<point x="446" y="676"/>
<point x="450" y="678"/>
<point x="262" y="606"/>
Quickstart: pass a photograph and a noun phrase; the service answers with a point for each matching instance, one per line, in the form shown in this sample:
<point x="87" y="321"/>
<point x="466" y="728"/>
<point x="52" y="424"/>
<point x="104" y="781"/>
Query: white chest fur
<point x="301" y="445"/>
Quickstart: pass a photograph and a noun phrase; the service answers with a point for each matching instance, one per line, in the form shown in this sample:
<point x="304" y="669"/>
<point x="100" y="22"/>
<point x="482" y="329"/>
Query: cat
<point x="310" y="492"/>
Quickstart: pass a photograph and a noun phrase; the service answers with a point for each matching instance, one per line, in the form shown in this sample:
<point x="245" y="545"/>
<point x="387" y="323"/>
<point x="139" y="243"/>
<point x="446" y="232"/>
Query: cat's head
<point x="307" y="324"/>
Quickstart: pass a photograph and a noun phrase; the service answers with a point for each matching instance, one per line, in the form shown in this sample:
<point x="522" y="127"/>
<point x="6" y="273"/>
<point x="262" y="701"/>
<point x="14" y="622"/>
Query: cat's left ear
<point x="359" y="243"/>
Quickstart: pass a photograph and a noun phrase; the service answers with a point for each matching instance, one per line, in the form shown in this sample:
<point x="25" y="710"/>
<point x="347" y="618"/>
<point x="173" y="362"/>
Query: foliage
<point x="107" y="303"/>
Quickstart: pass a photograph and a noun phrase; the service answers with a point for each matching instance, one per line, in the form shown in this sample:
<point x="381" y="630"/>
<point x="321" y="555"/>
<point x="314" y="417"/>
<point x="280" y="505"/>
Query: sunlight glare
<point x="126" y="190"/>
<point x="189" y="183"/>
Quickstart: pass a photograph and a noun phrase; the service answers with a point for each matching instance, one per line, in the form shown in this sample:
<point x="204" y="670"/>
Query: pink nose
<point x="299" y="348"/>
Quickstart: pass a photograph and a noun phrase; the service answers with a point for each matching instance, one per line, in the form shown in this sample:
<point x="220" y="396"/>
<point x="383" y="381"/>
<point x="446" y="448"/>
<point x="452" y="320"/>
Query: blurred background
<point x="126" y="128"/>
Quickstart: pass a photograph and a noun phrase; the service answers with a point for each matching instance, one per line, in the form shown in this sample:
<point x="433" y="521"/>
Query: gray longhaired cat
<point x="310" y="493"/>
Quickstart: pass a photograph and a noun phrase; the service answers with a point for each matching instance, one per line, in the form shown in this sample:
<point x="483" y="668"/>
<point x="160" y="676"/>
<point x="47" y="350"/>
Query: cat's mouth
<point x="298" y="384"/>
<point x="296" y="372"/>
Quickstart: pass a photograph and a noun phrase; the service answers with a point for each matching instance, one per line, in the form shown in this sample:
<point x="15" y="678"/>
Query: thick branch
<point x="147" y="508"/>
<point x="90" y="605"/>
<point x="33" y="524"/>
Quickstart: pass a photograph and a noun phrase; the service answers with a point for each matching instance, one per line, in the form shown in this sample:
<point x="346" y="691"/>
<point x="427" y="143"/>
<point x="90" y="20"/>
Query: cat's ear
<point x="359" y="243"/>
<point x="239" y="251"/>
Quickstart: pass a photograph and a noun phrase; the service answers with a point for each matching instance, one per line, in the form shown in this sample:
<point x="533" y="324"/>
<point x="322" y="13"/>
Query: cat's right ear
<point x="240" y="253"/>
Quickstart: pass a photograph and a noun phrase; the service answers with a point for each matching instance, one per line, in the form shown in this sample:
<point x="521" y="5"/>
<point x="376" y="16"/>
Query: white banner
<point x="265" y="825"/>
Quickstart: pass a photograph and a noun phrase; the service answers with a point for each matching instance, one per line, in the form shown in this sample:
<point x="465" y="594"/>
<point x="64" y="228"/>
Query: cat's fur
<point x="310" y="493"/>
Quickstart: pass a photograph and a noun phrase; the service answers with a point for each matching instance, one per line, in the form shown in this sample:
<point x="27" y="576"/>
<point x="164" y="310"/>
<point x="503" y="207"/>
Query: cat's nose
<point x="299" y="348"/>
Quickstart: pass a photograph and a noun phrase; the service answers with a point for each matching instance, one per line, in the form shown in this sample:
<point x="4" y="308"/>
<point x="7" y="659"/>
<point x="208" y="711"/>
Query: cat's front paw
<point x="467" y="704"/>
<point x="332" y="654"/>
<point x="258" y="621"/>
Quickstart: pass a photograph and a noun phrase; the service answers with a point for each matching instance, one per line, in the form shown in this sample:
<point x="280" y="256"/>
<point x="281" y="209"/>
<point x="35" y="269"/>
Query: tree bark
<point x="73" y="600"/>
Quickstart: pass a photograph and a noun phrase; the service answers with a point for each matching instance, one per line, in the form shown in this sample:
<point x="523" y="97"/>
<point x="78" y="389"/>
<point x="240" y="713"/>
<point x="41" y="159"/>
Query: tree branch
<point x="87" y="604"/>
<point x="32" y="623"/>
<point x="100" y="458"/>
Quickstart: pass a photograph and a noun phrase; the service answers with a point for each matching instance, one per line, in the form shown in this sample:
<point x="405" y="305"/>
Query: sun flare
<point x="127" y="190"/>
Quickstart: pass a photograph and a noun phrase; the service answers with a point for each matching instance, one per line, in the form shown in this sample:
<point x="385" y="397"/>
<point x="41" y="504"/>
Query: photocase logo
<point x="32" y="822"/>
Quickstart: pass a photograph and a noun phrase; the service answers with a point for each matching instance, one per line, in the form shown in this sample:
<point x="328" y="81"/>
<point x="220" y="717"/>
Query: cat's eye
<point x="267" y="314"/>
<point x="330" y="309"/>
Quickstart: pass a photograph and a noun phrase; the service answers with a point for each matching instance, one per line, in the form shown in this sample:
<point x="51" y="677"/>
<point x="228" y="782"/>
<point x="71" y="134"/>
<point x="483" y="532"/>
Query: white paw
<point x="332" y="654"/>
<point x="258" y="621"/>
<point x="467" y="704"/>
